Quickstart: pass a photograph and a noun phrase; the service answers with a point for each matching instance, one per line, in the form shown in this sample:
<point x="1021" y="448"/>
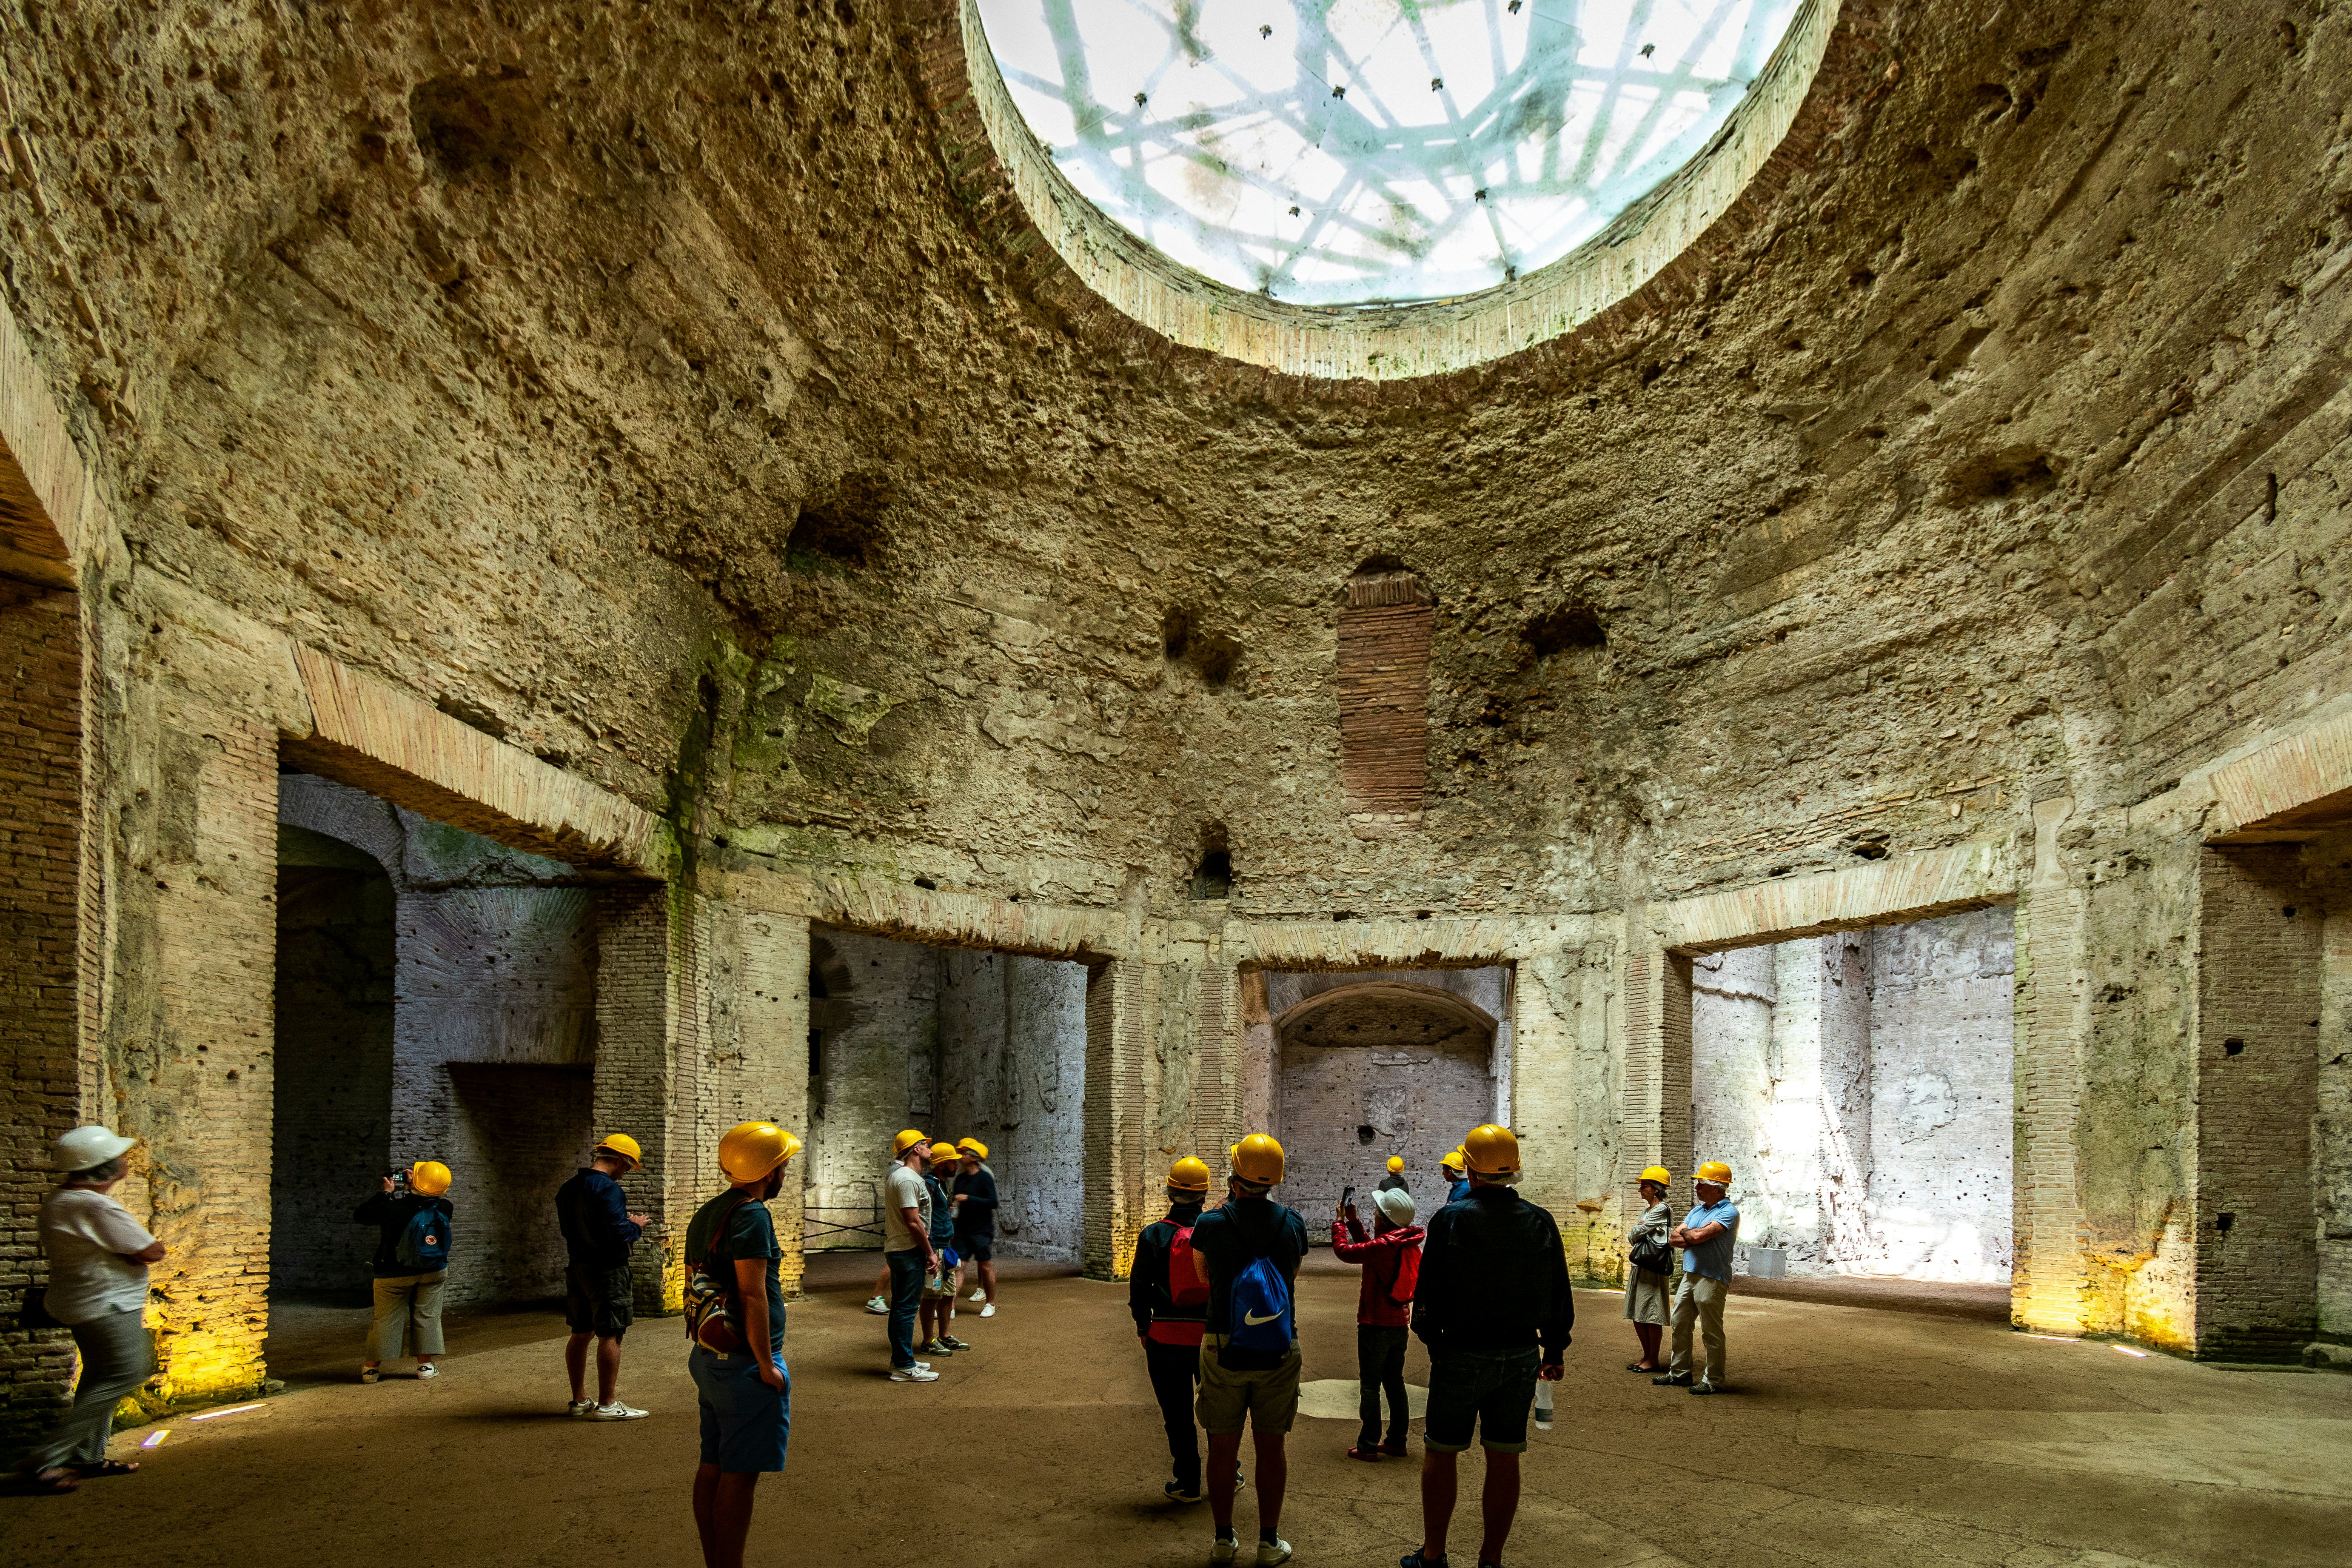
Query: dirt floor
<point x="1856" y="1435"/>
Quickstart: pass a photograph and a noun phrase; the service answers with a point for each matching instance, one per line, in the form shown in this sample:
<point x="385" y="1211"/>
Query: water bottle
<point x="1543" y="1404"/>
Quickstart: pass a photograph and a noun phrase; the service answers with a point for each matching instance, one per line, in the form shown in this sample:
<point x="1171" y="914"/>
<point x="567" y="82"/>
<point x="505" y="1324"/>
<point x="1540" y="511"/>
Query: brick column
<point x="2049" y="1281"/>
<point x="646" y="1061"/>
<point x="193" y="1072"/>
<point x="759" y="1065"/>
<point x="40" y="875"/>
<point x="1657" y="1116"/>
<point x="1120" y="993"/>
<point x="2258" y="978"/>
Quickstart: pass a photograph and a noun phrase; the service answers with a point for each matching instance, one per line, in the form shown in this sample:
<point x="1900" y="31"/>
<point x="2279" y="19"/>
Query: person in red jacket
<point x="1390" y="1258"/>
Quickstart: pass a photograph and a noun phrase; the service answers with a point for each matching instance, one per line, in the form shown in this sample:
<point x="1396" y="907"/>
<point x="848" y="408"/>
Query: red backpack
<point x="1184" y="1287"/>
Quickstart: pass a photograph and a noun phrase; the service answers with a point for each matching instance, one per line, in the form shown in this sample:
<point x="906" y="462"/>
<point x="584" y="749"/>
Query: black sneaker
<point x="1672" y="1380"/>
<point x="1176" y="1493"/>
<point x="953" y="1343"/>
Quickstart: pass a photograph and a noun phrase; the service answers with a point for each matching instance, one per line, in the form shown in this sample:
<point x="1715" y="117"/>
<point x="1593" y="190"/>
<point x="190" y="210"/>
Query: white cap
<point x="86" y="1146"/>
<point x="1397" y="1203"/>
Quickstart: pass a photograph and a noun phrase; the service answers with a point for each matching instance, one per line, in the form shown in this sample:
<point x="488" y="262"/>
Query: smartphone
<point x="1346" y="1196"/>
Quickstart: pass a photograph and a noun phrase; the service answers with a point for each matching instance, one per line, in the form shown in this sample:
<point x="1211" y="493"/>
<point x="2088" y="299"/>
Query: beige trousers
<point x="407" y="1309"/>
<point x="1699" y="1300"/>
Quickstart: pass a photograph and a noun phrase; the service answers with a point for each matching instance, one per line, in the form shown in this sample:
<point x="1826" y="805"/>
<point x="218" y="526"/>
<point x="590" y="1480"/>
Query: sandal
<point x="106" y="1468"/>
<point x="1637" y="1366"/>
<point x="1367" y="1454"/>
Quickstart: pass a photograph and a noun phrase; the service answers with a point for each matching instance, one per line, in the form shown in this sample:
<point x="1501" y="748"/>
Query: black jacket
<point x="1147" y="1282"/>
<point x="593" y="1215"/>
<point x="391" y="1215"/>
<point x="1494" y="1276"/>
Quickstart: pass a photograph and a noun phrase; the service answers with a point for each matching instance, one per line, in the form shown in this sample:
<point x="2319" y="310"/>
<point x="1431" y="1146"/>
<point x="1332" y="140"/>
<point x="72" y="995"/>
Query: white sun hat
<point x="86" y="1146"/>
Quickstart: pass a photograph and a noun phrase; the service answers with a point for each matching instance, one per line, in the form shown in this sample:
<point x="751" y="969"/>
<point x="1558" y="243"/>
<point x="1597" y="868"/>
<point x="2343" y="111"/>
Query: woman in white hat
<point x="97" y="1286"/>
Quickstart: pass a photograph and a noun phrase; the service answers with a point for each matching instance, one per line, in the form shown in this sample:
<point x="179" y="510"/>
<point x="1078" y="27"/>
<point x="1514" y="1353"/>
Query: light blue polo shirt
<point x="1712" y="1259"/>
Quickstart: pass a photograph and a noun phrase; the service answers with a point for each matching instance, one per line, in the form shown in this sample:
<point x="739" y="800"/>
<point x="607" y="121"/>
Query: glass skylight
<point x="1356" y="152"/>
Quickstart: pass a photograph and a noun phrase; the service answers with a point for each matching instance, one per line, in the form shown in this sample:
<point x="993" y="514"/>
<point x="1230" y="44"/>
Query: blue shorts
<point x="1493" y="1389"/>
<point x="976" y="1247"/>
<point x="745" y="1423"/>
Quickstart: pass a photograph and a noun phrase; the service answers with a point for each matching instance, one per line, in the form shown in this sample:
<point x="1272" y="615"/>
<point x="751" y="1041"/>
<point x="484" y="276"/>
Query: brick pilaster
<point x="2258" y="978"/>
<point x="646" y="1069"/>
<point x="1119" y="997"/>
<point x="1657" y="1116"/>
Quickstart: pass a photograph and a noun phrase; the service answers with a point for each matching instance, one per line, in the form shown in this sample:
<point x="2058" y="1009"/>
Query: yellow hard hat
<point x="1396" y="1165"/>
<point x="430" y="1178"/>
<point x="1492" y="1151"/>
<point x="943" y="1152"/>
<point x="752" y="1148"/>
<point x="1715" y="1173"/>
<point x="1189" y="1175"/>
<point x="1257" y="1158"/>
<point x="624" y="1145"/>
<point x="1659" y="1174"/>
<point x="1453" y="1160"/>
<point x="972" y="1148"/>
<point x="906" y="1140"/>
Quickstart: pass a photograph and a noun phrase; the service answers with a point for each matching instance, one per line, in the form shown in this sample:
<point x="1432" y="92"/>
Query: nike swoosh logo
<point x="1252" y="1319"/>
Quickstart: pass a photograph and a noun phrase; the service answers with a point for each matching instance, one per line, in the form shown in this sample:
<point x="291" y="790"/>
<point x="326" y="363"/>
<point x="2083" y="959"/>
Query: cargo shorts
<point x="1267" y="1401"/>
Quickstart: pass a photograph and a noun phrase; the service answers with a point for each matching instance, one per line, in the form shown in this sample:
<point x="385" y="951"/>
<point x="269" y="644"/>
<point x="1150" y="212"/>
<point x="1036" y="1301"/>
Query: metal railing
<point x="841" y="1229"/>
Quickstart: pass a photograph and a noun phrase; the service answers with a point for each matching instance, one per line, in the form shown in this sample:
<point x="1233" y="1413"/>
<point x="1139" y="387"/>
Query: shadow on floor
<point x="1887" y="1292"/>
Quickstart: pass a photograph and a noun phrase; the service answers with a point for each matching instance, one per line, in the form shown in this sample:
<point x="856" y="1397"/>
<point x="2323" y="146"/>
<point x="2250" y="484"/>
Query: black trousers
<point x="1379" y="1365"/>
<point x="1174" y="1370"/>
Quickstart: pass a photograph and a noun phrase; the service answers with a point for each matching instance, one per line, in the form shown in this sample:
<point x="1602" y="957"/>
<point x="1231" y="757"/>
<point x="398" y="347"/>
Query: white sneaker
<point x="1223" y="1551"/>
<point x="980" y="1295"/>
<point x="917" y="1373"/>
<point x="616" y="1411"/>
<point x="989" y="1310"/>
<point x="579" y="1407"/>
<point x="1270" y="1552"/>
<point x="878" y="1305"/>
<point x="427" y="1371"/>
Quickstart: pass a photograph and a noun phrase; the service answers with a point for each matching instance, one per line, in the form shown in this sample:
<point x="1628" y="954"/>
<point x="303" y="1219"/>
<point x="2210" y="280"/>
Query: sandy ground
<point x="1857" y="1436"/>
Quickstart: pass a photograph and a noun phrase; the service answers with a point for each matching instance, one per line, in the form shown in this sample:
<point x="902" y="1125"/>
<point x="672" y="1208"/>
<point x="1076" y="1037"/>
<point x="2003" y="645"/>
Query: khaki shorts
<point x="1267" y="1400"/>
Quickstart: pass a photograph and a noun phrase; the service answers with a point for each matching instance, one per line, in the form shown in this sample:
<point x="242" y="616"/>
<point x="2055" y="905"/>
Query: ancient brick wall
<point x="41" y="894"/>
<point x="881" y="1060"/>
<point x="2327" y="869"/>
<point x="1382" y="680"/>
<point x="2256" y="1063"/>
<point x="1012" y="1073"/>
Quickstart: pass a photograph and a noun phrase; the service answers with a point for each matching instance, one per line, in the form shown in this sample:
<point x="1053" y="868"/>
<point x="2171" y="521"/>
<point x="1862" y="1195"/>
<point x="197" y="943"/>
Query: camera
<point x="399" y="1181"/>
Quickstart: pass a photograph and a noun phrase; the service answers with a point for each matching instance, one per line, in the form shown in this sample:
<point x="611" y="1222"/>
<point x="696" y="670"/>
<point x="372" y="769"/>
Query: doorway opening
<point x="1360" y="1065"/>
<point x="1861" y="1088"/>
<point x="436" y="1000"/>
<point x="954" y="1043"/>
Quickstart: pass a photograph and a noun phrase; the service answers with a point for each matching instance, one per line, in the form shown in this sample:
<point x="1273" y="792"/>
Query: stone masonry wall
<point x="40" y="830"/>
<point x="2327" y="869"/>
<point x="881" y="1064"/>
<point x="1013" y="1045"/>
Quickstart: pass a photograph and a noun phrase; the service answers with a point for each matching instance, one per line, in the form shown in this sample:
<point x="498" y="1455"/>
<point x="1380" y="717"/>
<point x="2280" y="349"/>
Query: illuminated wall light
<point x="155" y="1439"/>
<point x="232" y="1410"/>
<point x="2056" y="1339"/>
<point x="2126" y="1350"/>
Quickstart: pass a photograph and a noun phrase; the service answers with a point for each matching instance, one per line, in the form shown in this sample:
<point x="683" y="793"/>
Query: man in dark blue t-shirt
<point x="599" y="1296"/>
<point x="975" y="1220"/>
<point x="745" y="1397"/>
<point x="1239" y="1386"/>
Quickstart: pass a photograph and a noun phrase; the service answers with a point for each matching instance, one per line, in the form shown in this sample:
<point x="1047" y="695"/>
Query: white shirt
<point x="904" y="1189"/>
<point x="85" y="1233"/>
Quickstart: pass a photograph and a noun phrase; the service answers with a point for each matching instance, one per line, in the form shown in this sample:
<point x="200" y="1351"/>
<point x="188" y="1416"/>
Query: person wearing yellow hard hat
<point x="937" y="1310"/>
<point x="1394" y="1181"/>
<point x="599" y="1293"/>
<point x="1170" y="1304"/>
<point x="907" y="1251"/>
<point x="1458" y="1180"/>
<point x="1707" y="1236"/>
<point x="1649" y="1264"/>
<point x="1247" y="1253"/>
<point x="411" y="1266"/>
<point x="735" y="1323"/>
<point x="879" y="1302"/>
<point x="1493" y="1308"/>
<point x="974" y="1197"/>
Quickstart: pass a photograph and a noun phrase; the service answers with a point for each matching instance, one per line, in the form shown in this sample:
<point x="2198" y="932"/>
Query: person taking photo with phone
<point x="411" y="1265"/>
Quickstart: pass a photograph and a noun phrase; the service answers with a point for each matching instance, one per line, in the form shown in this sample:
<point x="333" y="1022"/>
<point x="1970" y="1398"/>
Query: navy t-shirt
<point x="1234" y="1236"/>
<point x="976" y="1215"/>
<point x="750" y="1233"/>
